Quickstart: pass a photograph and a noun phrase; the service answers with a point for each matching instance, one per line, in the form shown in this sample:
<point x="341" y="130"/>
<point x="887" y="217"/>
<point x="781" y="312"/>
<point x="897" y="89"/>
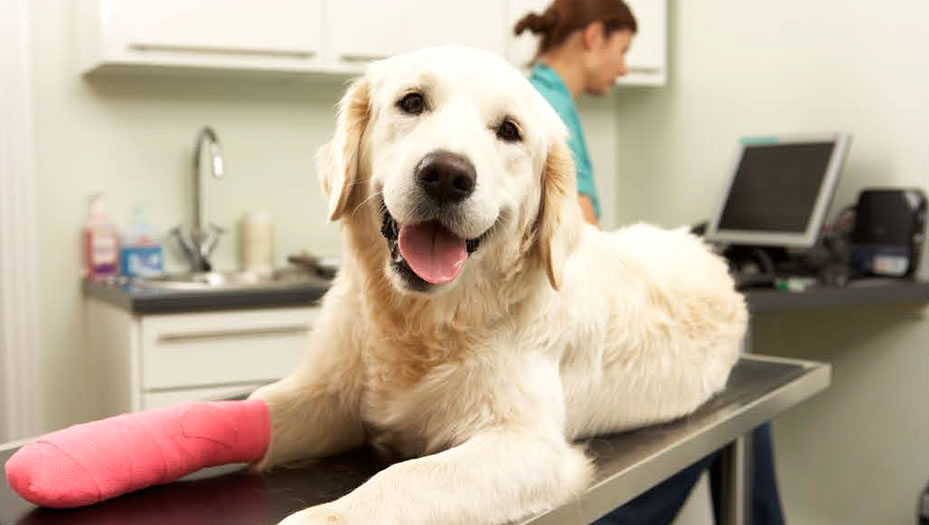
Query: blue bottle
<point x="140" y="253"/>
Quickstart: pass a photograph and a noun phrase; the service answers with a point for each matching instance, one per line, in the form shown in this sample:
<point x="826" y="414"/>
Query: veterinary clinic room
<point x="448" y="262"/>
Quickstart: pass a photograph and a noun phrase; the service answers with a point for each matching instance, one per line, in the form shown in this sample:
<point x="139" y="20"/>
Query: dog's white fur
<point x="553" y="330"/>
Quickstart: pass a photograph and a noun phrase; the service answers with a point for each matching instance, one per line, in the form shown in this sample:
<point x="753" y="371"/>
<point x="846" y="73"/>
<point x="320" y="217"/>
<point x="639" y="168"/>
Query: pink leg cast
<point x="95" y="461"/>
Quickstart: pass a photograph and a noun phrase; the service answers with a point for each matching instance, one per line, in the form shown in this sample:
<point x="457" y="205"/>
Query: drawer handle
<point x="187" y="48"/>
<point x="283" y="330"/>
<point x="359" y="57"/>
<point x="248" y="386"/>
<point x="644" y="69"/>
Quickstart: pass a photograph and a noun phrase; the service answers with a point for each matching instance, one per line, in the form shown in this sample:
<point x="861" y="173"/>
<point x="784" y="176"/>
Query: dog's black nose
<point x="445" y="176"/>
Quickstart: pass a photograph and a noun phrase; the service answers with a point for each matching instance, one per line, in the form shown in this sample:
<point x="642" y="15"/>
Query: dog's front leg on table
<point x="514" y="464"/>
<point x="315" y="411"/>
<point x="497" y="476"/>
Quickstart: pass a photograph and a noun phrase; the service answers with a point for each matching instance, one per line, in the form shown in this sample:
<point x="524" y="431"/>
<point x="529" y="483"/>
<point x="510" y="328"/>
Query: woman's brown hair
<point x="564" y="17"/>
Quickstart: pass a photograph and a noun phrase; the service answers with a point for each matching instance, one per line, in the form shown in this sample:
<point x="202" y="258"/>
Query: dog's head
<point x="459" y="162"/>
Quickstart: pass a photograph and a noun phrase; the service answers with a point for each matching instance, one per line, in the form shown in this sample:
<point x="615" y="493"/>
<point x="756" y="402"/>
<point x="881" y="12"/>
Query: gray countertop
<point x="143" y="300"/>
<point x="146" y="300"/>
<point x="862" y="292"/>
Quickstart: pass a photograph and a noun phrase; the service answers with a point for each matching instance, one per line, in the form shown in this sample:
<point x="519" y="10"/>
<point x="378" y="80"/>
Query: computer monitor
<point x="779" y="190"/>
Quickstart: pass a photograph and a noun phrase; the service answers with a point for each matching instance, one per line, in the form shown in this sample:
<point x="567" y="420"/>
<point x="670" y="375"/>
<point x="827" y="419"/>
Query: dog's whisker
<point x="375" y="194"/>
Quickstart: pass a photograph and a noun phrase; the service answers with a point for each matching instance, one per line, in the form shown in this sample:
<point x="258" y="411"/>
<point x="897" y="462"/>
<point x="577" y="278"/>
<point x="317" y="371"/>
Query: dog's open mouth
<point x="427" y="251"/>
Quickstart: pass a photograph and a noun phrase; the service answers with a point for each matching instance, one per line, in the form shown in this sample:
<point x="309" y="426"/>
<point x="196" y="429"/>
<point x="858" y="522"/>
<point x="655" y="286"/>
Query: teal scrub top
<point x="547" y="82"/>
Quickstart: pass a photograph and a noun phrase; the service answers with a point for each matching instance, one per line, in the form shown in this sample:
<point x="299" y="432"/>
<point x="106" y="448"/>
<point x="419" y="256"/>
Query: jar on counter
<point x="258" y="242"/>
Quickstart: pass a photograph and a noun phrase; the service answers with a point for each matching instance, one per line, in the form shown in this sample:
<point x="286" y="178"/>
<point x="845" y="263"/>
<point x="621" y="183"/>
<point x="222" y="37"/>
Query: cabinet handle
<point x="359" y="57"/>
<point x="644" y="69"/>
<point x="187" y="48"/>
<point x="281" y="330"/>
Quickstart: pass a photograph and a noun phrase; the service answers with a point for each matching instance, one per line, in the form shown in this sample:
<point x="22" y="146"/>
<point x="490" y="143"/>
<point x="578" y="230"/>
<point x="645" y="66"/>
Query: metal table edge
<point x="599" y="498"/>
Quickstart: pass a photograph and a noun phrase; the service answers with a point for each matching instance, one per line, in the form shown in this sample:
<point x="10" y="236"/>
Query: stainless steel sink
<point x="285" y="278"/>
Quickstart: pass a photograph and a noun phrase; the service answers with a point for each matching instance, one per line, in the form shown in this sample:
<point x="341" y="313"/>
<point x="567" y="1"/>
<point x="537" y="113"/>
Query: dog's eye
<point x="508" y="131"/>
<point x="412" y="103"/>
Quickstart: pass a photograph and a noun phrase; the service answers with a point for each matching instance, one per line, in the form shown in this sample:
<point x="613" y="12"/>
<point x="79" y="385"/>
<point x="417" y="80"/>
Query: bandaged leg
<point x="95" y="461"/>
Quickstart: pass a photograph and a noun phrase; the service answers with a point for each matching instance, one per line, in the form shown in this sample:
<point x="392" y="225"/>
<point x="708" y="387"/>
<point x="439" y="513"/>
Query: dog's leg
<point x="315" y="410"/>
<point x="495" y="477"/>
<point x="517" y="465"/>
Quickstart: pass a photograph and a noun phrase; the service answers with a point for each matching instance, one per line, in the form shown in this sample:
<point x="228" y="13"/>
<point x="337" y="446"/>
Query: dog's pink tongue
<point x="434" y="253"/>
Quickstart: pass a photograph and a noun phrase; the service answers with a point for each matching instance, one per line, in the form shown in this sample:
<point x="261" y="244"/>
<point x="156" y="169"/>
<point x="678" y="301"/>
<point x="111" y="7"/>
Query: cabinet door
<point x="360" y="31"/>
<point x="183" y="351"/>
<point x="211" y="33"/>
<point x="647" y="58"/>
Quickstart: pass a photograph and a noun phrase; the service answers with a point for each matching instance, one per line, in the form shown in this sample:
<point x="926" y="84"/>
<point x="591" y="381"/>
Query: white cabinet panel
<point x="244" y="34"/>
<point x="190" y="350"/>
<point x="363" y="30"/>
<point x="272" y="27"/>
<point x="151" y="361"/>
<point x="647" y="58"/>
<point x="176" y="397"/>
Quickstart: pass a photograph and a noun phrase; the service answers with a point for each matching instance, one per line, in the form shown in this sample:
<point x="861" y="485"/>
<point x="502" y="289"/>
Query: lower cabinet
<point x="153" y="361"/>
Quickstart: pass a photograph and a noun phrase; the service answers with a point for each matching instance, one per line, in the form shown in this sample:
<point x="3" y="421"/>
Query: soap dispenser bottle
<point x="140" y="250"/>
<point x="101" y="241"/>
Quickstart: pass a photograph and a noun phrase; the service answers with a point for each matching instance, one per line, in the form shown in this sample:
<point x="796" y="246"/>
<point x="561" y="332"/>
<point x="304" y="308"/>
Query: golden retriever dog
<point x="478" y="326"/>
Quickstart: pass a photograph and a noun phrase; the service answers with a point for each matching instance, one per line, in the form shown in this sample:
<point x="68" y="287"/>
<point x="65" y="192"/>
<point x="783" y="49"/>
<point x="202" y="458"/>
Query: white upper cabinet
<point x="520" y="50"/>
<point x="646" y="59"/>
<point x="283" y="35"/>
<point x="323" y="36"/>
<point x="360" y="31"/>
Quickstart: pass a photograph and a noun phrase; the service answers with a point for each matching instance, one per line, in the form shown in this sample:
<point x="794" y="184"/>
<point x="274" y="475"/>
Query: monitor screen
<point x="775" y="187"/>
<point x="779" y="190"/>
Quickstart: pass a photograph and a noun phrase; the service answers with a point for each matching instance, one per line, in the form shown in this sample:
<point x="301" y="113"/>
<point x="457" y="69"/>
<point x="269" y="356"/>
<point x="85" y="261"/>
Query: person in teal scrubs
<point x="582" y="49"/>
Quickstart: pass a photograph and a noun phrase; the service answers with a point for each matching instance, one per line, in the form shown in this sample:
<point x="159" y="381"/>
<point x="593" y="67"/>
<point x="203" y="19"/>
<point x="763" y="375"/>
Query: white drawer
<point x="221" y="348"/>
<point x="167" y="398"/>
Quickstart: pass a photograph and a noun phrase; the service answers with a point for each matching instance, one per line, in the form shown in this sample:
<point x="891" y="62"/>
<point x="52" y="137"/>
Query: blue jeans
<point x="660" y="504"/>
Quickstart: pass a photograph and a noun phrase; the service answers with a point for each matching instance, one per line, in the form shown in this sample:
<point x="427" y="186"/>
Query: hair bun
<point x="538" y="23"/>
<point x="550" y="17"/>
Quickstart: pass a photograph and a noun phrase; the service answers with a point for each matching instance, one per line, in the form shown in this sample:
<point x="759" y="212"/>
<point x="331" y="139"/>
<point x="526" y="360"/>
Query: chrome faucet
<point x="199" y="242"/>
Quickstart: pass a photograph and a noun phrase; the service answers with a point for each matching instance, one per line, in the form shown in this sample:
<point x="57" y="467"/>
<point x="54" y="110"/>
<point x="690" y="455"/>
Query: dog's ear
<point x="559" y="222"/>
<point x="337" y="161"/>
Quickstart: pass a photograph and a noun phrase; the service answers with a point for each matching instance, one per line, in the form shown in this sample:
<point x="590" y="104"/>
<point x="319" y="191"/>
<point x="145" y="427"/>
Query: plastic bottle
<point x="101" y="241"/>
<point x="141" y="252"/>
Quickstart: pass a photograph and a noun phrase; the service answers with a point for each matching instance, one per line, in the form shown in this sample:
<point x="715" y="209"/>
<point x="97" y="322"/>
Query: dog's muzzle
<point x="426" y="254"/>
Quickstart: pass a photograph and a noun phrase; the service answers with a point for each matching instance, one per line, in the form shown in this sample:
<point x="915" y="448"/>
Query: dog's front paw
<point x="319" y="515"/>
